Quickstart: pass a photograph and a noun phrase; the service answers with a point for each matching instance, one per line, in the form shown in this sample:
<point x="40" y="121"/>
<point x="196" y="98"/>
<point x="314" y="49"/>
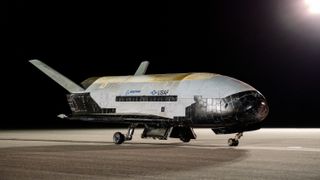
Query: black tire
<point x="185" y="139"/>
<point x="233" y="142"/>
<point x="118" y="138"/>
<point x="230" y="142"/>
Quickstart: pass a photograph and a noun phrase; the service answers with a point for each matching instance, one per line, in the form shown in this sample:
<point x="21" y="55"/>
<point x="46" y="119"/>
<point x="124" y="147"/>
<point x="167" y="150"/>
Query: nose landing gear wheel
<point x="118" y="138"/>
<point x="233" y="142"/>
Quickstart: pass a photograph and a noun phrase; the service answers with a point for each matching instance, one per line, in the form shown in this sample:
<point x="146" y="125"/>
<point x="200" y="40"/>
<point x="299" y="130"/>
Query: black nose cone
<point x="253" y="106"/>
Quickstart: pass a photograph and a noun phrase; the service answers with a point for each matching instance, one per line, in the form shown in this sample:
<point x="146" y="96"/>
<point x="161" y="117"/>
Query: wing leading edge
<point x="57" y="77"/>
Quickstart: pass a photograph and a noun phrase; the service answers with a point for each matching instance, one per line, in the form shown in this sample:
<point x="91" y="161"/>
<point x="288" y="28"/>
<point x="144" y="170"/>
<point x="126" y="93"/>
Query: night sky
<point x="272" y="45"/>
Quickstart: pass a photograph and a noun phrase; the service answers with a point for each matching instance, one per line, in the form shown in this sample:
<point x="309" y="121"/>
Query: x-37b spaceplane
<point x="166" y="105"/>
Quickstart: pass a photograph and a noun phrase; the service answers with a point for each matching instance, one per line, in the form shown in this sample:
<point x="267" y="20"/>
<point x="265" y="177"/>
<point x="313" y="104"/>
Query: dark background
<point x="272" y="45"/>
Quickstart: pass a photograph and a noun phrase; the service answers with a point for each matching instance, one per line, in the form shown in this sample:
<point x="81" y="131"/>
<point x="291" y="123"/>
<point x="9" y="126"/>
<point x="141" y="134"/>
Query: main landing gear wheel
<point x="235" y="141"/>
<point x="185" y="139"/>
<point x="118" y="138"/>
<point x="185" y="135"/>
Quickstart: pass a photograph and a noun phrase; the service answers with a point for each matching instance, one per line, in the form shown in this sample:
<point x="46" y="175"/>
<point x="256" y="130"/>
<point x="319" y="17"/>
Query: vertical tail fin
<point x="57" y="77"/>
<point x="142" y="68"/>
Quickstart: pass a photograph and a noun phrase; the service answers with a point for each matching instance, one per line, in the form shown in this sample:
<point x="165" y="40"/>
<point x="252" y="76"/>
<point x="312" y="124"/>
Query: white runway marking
<point x="257" y="148"/>
<point x="282" y="148"/>
<point x="294" y="147"/>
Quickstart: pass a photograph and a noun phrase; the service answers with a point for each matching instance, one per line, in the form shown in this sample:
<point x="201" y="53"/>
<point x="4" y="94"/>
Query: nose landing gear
<point x="235" y="141"/>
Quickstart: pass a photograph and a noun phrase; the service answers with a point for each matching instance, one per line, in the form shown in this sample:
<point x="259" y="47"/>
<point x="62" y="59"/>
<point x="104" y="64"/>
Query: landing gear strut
<point x="235" y="141"/>
<point x="119" y="138"/>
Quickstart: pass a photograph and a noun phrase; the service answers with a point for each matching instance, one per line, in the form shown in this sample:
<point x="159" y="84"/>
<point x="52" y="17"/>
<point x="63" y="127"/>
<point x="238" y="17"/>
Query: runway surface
<point x="90" y="154"/>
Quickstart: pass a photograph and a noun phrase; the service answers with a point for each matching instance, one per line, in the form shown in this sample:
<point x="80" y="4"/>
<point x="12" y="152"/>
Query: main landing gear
<point x="185" y="139"/>
<point x="235" y="141"/>
<point x="184" y="136"/>
<point x="119" y="138"/>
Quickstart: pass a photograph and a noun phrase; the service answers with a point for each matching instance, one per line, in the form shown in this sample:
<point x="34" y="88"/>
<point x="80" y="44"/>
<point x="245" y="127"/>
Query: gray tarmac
<point x="90" y="154"/>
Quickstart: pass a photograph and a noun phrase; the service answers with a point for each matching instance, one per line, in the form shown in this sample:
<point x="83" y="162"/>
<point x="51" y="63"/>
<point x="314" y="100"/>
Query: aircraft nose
<point x="261" y="110"/>
<point x="254" y="107"/>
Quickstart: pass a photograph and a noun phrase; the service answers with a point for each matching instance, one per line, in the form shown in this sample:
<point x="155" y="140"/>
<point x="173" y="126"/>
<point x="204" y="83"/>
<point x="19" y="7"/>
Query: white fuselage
<point x="183" y="85"/>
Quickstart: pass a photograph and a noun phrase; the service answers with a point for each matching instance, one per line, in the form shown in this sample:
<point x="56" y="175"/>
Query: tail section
<point x="57" y="77"/>
<point x="142" y="68"/>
